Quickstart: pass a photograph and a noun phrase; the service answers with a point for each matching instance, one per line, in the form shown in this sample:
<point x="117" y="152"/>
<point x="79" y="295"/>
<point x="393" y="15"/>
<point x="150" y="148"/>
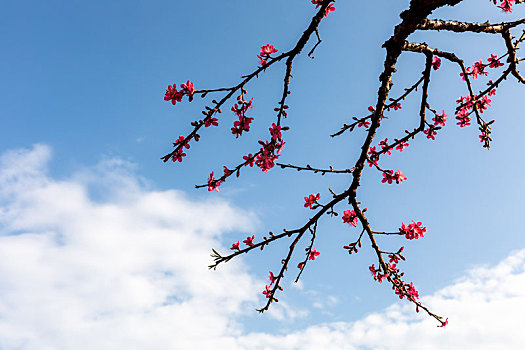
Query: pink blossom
<point x="478" y="68"/>
<point x="249" y="240"/>
<point x="188" y="89"/>
<point x="213" y="184"/>
<point x="363" y="122"/>
<point x="313" y="254"/>
<point x="350" y="217"/>
<point x="506" y="5"/>
<point x="172" y="94"/>
<point x="394" y="258"/>
<point x="464" y="75"/>
<point x="373" y="156"/>
<point x="413" y="230"/>
<point x="249" y="160"/>
<point x="267" y="50"/>
<point x="275" y="131"/>
<point x="430" y="132"/>
<point x="384" y="146"/>
<point x="268" y="154"/>
<point x="372" y="270"/>
<point x="399" y="177"/>
<point x="208" y="121"/>
<point x="401" y="146"/>
<point x="267" y="291"/>
<point x="440" y="119"/>
<point x="411" y="291"/>
<point x="311" y="200"/>
<point x="380" y="278"/>
<point x="444" y="323"/>
<point x="396" y="106"/>
<point x="176" y="96"/>
<point x="235" y="246"/>
<point x="178" y="156"/>
<point x="272" y="278"/>
<point x="494" y="62"/>
<point x="329" y="9"/>
<point x="389" y="176"/>
<point x="437" y="63"/>
<point x="482" y="105"/>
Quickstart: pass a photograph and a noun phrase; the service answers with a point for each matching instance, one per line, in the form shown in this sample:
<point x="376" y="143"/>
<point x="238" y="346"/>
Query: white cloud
<point x="485" y="310"/>
<point x="127" y="271"/>
<point x="99" y="261"/>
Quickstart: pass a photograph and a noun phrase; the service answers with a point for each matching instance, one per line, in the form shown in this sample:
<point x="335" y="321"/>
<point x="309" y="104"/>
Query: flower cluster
<point x="373" y="156"/>
<point x="478" y="68"/>
<point x="466" y="106"/>
<point x="506" y="5"/>
<point x="384" y="146"/>
<point x="402" y="289"/>
<point x="311" y="200"/>
<point x="389" y="176"/>
<point x="275" y="131"/>
<point x="268" y="154"/>
<point x="240" y="109"/>
<point x="329" y="9"/>
<point x="375" y="273"/>
<point x="265" y="53"/>
<point x="350" y="217"/>
<point x="363" y="122"/>
<point x="180" y="152"/>
<point x="395" y="105"/>
<point x="413" y="230"/>
<point x="431" y="131"/>
<point x="440" y="119"/>
<point x="174" y="95"/>
<point x="485" y="134"/>
<point x="494" y="62"/>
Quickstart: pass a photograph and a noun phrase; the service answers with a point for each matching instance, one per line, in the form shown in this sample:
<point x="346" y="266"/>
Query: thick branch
<point x="461" y="27"/>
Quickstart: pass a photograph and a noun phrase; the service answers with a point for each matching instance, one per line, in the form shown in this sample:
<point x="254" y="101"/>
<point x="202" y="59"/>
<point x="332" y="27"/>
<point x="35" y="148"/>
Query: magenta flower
<point x="444" y="323"/>
<point x="208" y="121"/>
<point x="329" y="9"/>
<point x="311" y="200"/>
<point x="440" y="119"/>
<point x="272" y="278"/>
<point x="249" y="159"/>
<point x="494" y="62"/>
<point x="430" y="132"/>
<point x="267" y="50"/>
<point x="401" y="146"/>
<point x="350" y="217"/>
<point x="235" y="246"/>
<point x="437" y="63"/>
<point x="384" y="145"/>
<point x="267" y="291"/>
<point x="313" y="254"/>
<point x="213" y="184"/>
<point x="249" y="240"/>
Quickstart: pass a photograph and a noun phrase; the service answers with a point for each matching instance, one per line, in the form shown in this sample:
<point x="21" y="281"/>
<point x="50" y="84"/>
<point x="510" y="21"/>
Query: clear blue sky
<point x="88" y="79"/>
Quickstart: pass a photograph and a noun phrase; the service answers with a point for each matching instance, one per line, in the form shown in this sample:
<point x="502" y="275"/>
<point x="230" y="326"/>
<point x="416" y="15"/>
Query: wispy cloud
<point x="100" y="261"/>
<point x="128" y="271"/>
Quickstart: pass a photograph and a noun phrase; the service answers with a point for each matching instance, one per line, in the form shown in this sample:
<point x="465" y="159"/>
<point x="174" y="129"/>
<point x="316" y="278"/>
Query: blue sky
<point x="84" y="82"/>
